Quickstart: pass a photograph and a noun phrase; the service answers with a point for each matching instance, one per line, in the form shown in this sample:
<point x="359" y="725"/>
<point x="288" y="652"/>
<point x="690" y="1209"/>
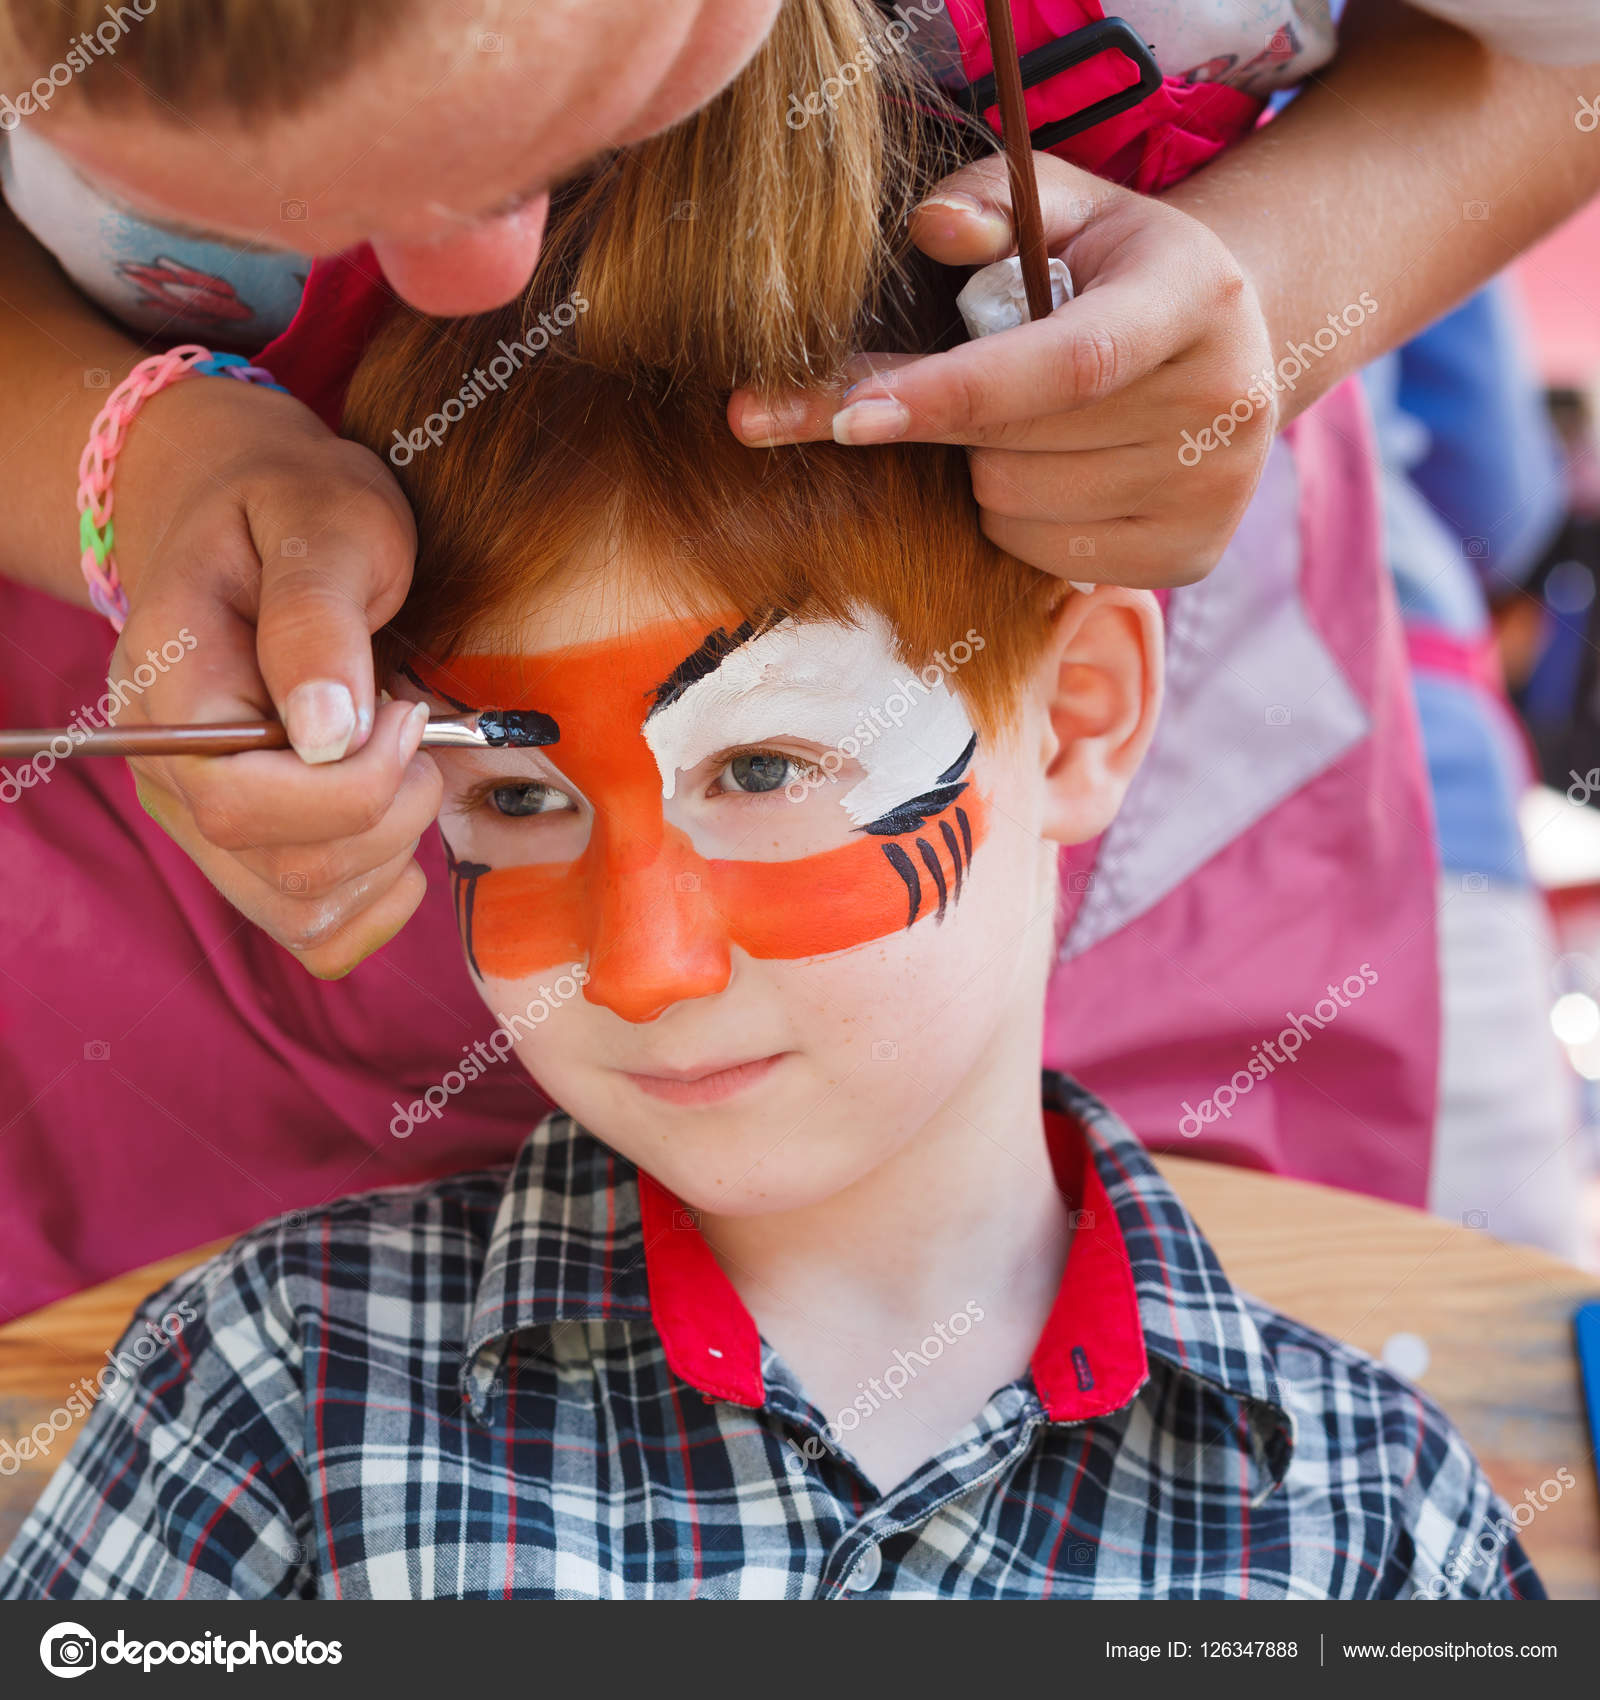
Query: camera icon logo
<point x="1277" y="715"/>
<point x="1080" y="546"/>
<point x="1474" y="882"/>
<point x="96" y="378"/>
<point x="1474" y="209"/>
<point x="686" y="1220"/>
<point x="293" y="884"/>
<point x="96" y="1050"/>
<point x="1474" y="1218"/>
<point x="295" y="548"/>
<point x="686" y="882"/>
<point x="292" y="209"/>
<point x="885" y="1050"/>
<point x="1476" y="547"/>
<point x="490" y="41"/>
<point x="68" y="1649"/>
<point x="1081" y="881"/>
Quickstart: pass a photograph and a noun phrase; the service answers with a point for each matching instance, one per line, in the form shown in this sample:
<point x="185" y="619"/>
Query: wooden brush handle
<point x="227" y="738"/>
<point x="1026" y="216"/>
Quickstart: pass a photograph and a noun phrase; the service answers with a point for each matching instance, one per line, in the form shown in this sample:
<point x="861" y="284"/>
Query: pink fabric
<point x="168" y="1075"/>
<point x="1175" y="130"/>
<point x="1342" y="873"/>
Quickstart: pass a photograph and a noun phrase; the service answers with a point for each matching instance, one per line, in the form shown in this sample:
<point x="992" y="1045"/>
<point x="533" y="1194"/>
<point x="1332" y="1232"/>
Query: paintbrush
<point x="1027" y="218"/>
<point x="489" y="729"/>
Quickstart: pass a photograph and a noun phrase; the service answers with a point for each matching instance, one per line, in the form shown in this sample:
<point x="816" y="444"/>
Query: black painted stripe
<point x="955" y="854"/>
<point x="713" y="650"/>
<point x="930" y="861"/>
<point x="910" y="816"/>
<point x="902" y="865"/>
<point x="959" y="765"/>
<point x="966" y="832"/>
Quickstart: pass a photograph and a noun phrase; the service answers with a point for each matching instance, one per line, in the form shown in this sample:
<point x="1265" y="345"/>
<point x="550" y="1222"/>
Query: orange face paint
<point x="653" y="918"/>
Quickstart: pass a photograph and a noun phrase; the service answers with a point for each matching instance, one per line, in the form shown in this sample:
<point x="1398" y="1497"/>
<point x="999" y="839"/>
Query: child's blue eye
<point x="756" y="771"/>
<point x="529" y="798"/>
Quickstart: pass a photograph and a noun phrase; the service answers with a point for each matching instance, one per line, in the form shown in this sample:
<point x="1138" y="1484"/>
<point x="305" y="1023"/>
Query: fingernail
<point x="881" y="420"/>
<point x="411" y="730"/>
<point x="959" y="212"/>
<point x="955" y="200"/>
<point x="773" y="422"/>
<point x="320" y="716"/>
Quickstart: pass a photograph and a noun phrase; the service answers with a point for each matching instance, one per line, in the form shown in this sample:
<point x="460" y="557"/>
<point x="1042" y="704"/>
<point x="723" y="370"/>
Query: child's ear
<point x="1100" y="689"/>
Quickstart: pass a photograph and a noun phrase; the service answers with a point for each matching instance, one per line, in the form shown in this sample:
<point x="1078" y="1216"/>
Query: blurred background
<point x="1493" y="418"/>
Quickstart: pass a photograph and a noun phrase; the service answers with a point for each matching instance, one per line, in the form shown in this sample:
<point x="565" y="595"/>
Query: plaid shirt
<point x="539" y="1382"/>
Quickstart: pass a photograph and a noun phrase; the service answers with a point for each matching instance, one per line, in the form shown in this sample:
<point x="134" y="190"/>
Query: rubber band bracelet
<point x="96" y="536"/>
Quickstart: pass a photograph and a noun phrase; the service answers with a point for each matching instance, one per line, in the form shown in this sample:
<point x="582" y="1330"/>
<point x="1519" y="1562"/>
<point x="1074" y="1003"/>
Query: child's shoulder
<point x="1335" y="1390"/>
<point x="1359" y="1425"/>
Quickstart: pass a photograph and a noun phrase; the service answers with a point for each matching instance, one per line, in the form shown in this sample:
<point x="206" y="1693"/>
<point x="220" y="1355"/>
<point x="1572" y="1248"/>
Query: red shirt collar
<point x="1089" y="1361"/>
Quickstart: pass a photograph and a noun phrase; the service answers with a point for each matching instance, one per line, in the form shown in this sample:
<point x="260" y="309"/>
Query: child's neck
<point x="967" y="1215"/>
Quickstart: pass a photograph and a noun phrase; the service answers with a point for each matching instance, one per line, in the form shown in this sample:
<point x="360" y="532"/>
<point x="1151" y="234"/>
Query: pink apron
<point x="1248" y="968"/>
<point x="173" y="1079"/>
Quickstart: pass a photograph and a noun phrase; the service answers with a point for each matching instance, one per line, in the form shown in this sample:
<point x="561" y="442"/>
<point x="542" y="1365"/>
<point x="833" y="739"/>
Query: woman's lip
<point x="707" y="1085"/>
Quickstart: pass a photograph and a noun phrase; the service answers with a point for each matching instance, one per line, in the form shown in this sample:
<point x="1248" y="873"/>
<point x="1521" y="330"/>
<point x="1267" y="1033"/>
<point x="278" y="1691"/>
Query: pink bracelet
<point x="99" y="458"/>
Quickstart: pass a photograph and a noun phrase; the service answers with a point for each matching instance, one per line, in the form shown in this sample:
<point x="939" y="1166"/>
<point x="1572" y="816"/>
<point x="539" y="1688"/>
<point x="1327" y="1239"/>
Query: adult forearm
<point x="59" y="356"/>
<point x="1415" y="169"/>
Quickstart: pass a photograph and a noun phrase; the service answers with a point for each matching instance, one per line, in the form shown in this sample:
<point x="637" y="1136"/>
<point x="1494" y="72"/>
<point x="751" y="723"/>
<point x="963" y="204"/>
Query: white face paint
<point x="837" y="687"/>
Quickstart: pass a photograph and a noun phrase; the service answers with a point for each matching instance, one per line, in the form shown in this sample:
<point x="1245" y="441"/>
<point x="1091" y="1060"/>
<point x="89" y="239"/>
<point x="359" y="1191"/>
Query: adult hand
<point x="267" y="550"/>
<point x="1074" y="425"/>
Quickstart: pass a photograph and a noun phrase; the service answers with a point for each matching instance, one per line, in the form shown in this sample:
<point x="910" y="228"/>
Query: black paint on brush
<point x="517" y="728"/>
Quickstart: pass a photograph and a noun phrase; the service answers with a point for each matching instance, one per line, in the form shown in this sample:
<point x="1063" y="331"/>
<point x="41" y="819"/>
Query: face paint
<point x="644" y="898"/>
<point x="827" y="684"/>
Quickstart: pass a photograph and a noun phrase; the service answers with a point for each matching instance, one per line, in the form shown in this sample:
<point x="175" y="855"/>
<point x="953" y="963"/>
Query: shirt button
<point x="866" y="1570"/>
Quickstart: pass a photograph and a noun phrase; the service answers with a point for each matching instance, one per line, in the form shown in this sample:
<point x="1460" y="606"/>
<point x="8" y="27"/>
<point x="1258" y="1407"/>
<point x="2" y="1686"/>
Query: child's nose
<point x="656" y="937"/>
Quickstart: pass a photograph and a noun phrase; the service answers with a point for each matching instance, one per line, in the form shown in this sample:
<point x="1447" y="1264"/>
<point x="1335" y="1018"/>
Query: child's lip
<point x="706" y="1083"/>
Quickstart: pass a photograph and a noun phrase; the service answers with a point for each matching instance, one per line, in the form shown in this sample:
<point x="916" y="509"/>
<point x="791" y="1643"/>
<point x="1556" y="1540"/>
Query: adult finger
<point x="270" y="798"/>
<point x="325" y="588"/>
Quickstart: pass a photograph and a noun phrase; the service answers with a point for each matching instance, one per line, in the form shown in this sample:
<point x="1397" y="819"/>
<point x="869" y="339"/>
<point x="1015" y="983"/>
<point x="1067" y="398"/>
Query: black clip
<point x="1109" y="35"/>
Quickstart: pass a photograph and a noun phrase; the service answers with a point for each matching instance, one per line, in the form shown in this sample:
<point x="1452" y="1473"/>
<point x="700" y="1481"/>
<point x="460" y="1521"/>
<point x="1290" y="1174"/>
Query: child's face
<point x="799" y="927"/>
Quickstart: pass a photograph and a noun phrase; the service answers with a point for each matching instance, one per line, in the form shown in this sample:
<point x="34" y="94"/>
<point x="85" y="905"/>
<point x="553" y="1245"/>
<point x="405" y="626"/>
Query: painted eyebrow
<point x="713" y="650"/>
<point x="502" y="728"/>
